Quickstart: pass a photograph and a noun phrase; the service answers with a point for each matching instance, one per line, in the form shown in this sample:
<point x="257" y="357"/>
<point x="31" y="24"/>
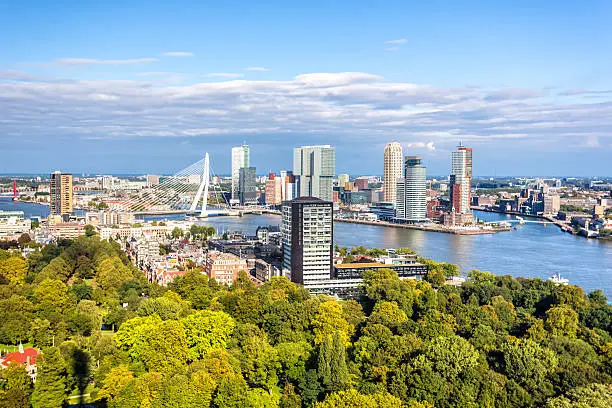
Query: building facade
<point x="240" y="159"/>
<point x="223" y="267"/>
<point x="60" y="193"/>
<point x="247" y="187"/>
<point x="461" y="179"/>
<point x="314" y="168"/>
<point x="411" y="204"/>
<point x="307" y="231"/>
<point x="392" y="171"/>
<point x="274" y="189"/>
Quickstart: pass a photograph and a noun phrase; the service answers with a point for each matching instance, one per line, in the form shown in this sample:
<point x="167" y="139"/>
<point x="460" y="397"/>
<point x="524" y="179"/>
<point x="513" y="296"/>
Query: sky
<point x="150" y="86"/>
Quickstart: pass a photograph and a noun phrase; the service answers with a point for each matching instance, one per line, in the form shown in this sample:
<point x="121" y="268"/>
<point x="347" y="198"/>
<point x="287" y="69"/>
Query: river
<point x="533" y="250"/>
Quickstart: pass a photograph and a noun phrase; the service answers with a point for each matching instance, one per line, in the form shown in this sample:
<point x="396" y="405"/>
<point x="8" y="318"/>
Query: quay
<point x="562" y="225"/>
<point x="429" y="227"/>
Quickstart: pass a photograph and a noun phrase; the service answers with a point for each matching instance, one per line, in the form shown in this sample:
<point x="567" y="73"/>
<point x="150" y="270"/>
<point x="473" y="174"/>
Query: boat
<point x="556" y="278"/>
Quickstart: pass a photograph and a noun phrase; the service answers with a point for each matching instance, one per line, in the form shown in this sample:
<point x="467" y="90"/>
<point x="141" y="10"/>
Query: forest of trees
<point x="496" y="341"/>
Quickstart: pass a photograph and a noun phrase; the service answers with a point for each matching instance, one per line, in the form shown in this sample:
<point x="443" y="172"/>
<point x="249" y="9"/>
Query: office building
<point x="224" y="267"/>
<point x="552" y="204"/>
<point x="274" y="189"/>
<point x="247" y="188"/>
<point x="240" y="159"/>
<point x="393" y="171"/>
<point x="314" y="168"/>
<point x="461" y="179"/>
<point x="60" y="193"/>
<point x="307" y="231"/>
<point x="289" y="186"/>
<point x="411" y="204"/>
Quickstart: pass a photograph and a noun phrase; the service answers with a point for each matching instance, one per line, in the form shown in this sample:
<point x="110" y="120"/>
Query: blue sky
<point x="135" y="86"/>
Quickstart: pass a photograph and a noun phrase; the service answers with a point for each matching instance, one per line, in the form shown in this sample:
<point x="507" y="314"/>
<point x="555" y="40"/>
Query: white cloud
<point x="341" y="107"/>
<point x="422" y="145"/>
<point x="260" y="69"/>
<point x="224" y="75"/>
<point x="90" y="61"/>
<point x="177" y="54"/>
<point x="398" y="41"/>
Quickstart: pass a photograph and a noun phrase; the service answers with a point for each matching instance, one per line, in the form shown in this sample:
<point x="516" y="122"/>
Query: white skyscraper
<point x="240" y="159"/>
<point x="393" y="170"/>
<point x="314" y="168"/>
<point x="411" y="204"/>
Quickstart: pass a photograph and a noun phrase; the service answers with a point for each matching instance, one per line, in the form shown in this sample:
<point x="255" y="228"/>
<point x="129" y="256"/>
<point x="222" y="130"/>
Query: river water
<point x="533" y="250"/>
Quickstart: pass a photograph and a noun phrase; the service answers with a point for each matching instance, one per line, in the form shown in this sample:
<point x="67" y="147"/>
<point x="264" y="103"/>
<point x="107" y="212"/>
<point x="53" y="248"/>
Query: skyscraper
<point x="60" y="193"/>
<point x="240" y="159"/>
<point x="314" y="168"/>
<point x="307" y="233"/>
<point x="411" y="203"/>
<point x="460" y="179"/>
<point x="393" y="170"/>
<point x="274" y="189"/>
<point x="247" y="189"/>
<point x="342" y="180"/>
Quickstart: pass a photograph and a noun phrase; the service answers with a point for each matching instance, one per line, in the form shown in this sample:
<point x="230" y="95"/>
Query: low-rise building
<point x="12" y="223"/>
<point x="24" y="357"/>
<point x="224" y="267"/>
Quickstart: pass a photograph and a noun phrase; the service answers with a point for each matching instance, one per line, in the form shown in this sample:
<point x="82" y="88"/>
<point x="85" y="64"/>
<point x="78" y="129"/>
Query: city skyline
<point x="529" y="87"/>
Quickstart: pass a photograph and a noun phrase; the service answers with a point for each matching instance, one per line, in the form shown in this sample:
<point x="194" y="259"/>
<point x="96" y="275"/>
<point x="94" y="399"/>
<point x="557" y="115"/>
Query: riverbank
<point x="429" y="227"/>
<point x="562" y="225"/>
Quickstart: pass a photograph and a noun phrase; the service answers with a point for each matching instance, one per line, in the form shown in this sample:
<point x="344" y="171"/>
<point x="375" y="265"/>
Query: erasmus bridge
<point x="190" y="191"/>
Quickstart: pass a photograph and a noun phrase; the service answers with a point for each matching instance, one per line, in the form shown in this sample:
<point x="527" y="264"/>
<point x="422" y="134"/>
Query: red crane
<point x="15" y="196"/>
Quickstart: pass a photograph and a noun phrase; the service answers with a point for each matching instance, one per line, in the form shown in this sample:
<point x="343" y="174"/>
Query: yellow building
<point x="60" y="193"/>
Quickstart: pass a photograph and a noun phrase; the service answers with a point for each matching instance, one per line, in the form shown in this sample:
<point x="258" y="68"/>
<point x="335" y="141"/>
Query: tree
<point x="15" y="387"/>
<point x="176" y="233"/>
<point x="112" y="273"/>
<point x="51" y="296"/>
<point x="332" y="368"/>
<point x="14" y="269"/>
<point x="353" y="399"/>
<point x="207" y="330"/>
<point x="328" y="321"/>
<point x="90" y="230"/>
<point x="591" y="396"/>
<point x="24" y="239"/>
<point x="562" y="321"/>
<point x="116" y="379"/>
<point x="529" y="364"/>
<point x="50" y="388"/>
<point x="17" y="314"/>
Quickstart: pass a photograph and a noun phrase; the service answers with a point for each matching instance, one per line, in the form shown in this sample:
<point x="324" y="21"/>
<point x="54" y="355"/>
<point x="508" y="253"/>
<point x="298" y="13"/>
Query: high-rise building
<point x="247" y="187"/>
<point x="393" y="170"/>
<point x="461" y="179"/>
<point x="60" y="193"/>
<point x="240" y="159"/>
<point x="411" y="191"/>
<point x="314" y="168"/>
<point x="274" y="189"/>
<point x="307" y="231"/>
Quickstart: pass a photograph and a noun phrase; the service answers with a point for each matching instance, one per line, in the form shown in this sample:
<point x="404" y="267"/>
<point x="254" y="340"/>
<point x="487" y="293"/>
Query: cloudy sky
<point x="149" y="86"/>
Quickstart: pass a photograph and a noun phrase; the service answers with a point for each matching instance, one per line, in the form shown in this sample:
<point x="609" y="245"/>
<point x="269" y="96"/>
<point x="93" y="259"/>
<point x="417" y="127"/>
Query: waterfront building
<point x="392" y="171"/>
<point x="552" y="204"/>
<point x="411" y="204"/>
<point x="460" y="179"/>
<point x="60" y="193"/>
<point x="247" y="189"/>
<point x="240" y="159"/>
<point x="355" y="270"/>
<point x="307" y="230"/>
<point x="314" y="168"/>
<point x="274" y="189"/>
<point x="224" y="267"/>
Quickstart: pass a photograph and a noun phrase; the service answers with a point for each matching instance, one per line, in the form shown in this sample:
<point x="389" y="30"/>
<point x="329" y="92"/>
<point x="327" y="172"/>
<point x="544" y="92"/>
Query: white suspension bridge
<point x="190" y="191"/>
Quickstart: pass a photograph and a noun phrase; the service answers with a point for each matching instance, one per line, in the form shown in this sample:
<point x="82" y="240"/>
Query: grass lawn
<point x="12" y="347"/>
